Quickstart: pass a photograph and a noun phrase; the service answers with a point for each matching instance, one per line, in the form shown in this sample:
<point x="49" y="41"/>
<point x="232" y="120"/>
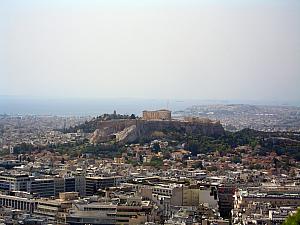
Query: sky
<point x="189" y="49"/>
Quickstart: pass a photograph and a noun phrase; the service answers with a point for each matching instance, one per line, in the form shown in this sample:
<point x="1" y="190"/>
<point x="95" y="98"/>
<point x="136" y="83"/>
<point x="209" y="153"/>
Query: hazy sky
<point x="201" y="49"/>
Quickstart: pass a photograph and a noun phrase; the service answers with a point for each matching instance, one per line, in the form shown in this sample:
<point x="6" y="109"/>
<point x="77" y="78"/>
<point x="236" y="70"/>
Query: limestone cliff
<point x="131" y="130"/>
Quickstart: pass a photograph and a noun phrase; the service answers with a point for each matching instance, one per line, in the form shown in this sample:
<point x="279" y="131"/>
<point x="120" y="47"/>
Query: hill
<point x="131" y="129"/>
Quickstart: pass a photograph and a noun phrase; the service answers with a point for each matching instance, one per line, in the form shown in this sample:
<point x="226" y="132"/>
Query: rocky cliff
<point x="131" y="130"/>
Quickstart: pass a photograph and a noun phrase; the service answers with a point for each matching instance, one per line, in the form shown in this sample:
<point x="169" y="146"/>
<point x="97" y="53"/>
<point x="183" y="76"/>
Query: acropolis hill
<point x="152" y="122"/>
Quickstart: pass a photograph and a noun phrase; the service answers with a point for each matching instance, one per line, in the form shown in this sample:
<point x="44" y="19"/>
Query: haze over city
<point x="224" y="50"/>
<point x="148" y="112"/>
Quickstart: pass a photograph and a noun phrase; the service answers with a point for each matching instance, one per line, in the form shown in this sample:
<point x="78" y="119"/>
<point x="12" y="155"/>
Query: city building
<point x="93" y="184"/>
<point x="162" y="114"/>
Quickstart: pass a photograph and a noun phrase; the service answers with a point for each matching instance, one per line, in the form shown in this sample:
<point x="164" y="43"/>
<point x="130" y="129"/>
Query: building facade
<point x="157" y="115"/>
<point x="93" y="184"/>
<point x="13" y="182"/>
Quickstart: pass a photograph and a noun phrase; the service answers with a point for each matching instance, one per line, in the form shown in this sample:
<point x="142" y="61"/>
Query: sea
<point x="86" y="107"/>
<point x="15" y="105"/>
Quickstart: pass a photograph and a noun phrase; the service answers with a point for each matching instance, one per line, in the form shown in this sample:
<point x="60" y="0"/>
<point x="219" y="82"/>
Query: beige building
<point x="54" y="210"/>
<point x="24" y="203"/>
<point x="190" y="197"/>
<point x="162" y="114"/>
<point x="243" y="199"/>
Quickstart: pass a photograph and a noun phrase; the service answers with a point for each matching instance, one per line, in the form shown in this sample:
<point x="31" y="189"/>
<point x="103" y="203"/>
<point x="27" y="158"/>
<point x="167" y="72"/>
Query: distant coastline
<point x="15" y="105"/>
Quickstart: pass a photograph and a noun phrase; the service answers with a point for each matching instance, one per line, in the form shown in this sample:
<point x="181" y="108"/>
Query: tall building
<point x="13" y="182"/>
<point x="42" y="187"/>
<point x="226" y="200"/>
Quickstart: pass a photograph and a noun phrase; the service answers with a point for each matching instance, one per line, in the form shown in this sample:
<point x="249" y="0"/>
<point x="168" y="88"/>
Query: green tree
<point x="198" y="165"/>
<point x="132" y="117"/>
<point x="156" y="147"/>
<point x="156" y="162"/>
<point x="236" y="159"/>
<point x="293" y="219"/>
<point x="4" y="152"/>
